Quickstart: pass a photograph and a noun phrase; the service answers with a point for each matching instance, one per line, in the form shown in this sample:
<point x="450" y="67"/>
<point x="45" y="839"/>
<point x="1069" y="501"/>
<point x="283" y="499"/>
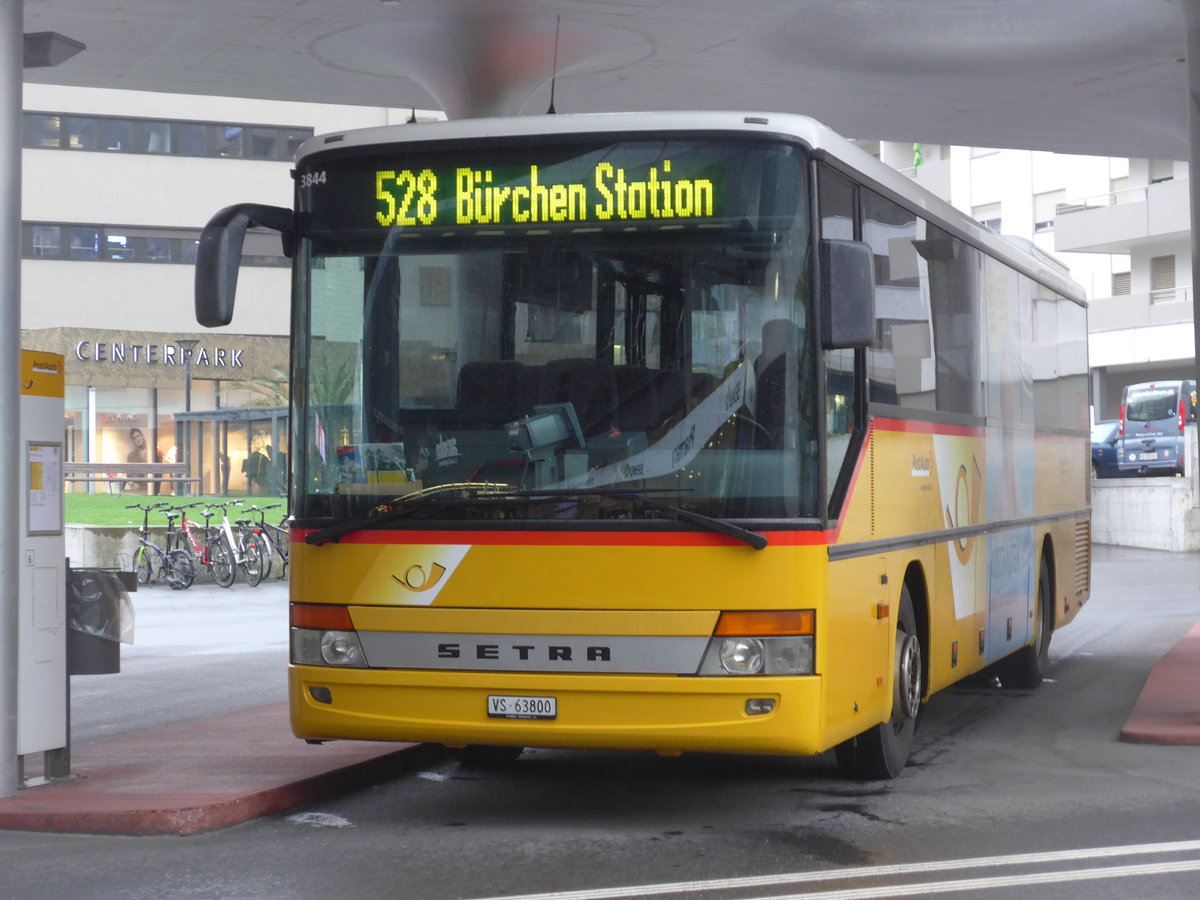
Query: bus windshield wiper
<point x="647" y="500"/>
<point x="398" y="506"/>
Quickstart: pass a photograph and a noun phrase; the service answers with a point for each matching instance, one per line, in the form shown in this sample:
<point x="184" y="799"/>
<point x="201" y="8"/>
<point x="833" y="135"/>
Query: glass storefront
<point x="131" y="399"/>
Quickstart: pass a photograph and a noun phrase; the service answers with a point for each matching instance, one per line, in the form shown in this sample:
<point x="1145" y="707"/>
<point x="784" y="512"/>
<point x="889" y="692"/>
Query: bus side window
<point x="836" y="200"/>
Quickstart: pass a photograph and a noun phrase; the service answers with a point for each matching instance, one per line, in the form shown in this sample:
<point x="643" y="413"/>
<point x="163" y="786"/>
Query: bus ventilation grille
<point x="1083" y="558"/>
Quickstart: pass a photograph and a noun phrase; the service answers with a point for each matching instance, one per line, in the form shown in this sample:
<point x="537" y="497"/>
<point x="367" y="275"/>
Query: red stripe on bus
<point x="913" y="427"/>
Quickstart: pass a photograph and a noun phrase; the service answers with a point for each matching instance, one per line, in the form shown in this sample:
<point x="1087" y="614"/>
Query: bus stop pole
<point x="11" y="65"/>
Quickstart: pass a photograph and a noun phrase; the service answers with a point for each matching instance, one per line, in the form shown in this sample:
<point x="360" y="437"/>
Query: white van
<point x="1153" y="417"/>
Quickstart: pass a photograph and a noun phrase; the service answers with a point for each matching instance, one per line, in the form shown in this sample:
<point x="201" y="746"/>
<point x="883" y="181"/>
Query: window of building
<point x="42" y="131"/>
<point x="154" y="137"/>
<point x="1045" y="207"/>
<point x="263" y="143"/>
<point x="117" y="135"/>
<point x="230" y="140"/>
<point x="988" y="215"/>
<point x="85" y="242"/>
<point x="1162" y="278"/>
<point x="118" y="246"/>
<point x="137" y="244"/>
<point x="191" y="139"/>
<point x="46" y="241"/>
<point x="54" y="131"/>
<point x="82" y="134"/>
<point x="1120" y="284"/>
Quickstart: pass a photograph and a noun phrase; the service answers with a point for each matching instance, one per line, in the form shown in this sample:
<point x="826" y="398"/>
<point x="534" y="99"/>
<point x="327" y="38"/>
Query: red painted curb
<point x="201" y="775"/>
<point x="1168" y="709"/>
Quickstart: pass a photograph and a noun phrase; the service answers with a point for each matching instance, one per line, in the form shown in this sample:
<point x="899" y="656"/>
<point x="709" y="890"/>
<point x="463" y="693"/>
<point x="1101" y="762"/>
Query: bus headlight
<point x="766" y="643"/>
<point x="742" y="656"/>
<point x="327" y="648"/>
<point x="341" y="648"/>
<point x="324" y="635"/>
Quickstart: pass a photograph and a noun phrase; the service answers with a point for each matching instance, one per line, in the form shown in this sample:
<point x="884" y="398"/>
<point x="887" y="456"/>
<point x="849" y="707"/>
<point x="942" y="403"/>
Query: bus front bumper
<point x="662" y="713"/>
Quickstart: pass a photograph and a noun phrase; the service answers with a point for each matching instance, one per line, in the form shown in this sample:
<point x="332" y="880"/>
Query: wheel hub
<point x="908" y="675"/>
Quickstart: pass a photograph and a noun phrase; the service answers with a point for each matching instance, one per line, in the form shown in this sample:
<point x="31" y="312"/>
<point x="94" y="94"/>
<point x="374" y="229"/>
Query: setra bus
<point x="673" y="431"/>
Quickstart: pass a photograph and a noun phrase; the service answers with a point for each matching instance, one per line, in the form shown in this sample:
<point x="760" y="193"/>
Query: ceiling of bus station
<point x="1085" y="76"/>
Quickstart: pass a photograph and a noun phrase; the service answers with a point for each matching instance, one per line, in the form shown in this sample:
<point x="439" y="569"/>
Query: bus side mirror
<point x="847" y="294"/>
<point x="219" y="254"/>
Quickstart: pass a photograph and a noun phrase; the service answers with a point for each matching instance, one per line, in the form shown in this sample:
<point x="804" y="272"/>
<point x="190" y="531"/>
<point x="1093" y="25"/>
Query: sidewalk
<point x="199" y="776"/>
<point x="1168" y="709"/>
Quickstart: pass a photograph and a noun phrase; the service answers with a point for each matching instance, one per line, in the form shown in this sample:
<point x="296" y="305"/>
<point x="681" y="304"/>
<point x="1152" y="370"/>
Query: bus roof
<point x="821" y="139"/>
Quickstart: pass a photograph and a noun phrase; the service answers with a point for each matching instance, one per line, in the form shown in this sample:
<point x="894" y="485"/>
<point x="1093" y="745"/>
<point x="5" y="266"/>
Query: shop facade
<point x="215" y="401"/>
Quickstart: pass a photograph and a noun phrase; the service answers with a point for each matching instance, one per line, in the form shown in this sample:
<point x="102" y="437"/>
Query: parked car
<point x="1106" y="451"/>
<point x="1153" y="418"/>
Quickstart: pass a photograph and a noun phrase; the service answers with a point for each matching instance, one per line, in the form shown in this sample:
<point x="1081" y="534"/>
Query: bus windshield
<point x="567" y="327"/>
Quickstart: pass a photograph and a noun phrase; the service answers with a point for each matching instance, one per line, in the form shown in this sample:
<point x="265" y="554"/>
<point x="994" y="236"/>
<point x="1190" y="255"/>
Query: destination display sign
<point x="531" y="195"/>
<point x="537" y="185"/>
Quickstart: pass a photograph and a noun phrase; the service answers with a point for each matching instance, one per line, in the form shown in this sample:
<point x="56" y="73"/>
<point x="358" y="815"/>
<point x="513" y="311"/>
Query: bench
<point x="116" y="474"/>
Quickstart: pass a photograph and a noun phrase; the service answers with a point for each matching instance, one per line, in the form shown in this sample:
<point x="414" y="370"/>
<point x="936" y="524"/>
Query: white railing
<point x="1169" y="295"/>
<point x="1137" y="194"/>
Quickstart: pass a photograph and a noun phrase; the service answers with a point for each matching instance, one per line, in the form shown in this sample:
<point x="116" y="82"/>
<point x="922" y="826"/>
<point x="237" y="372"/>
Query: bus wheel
<point x="881" y="751"/>
<point x="487" y="756"/>
<point x="1025" y="669"/>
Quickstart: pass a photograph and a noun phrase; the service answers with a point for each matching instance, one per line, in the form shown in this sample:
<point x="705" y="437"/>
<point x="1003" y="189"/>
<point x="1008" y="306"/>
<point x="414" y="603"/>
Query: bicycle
<point x="152" y="562"/>
<point x="254" y="551"/>
<point x="213" y="553"/>
<point x="275" y="536"/>
<point x="245" y="553"/>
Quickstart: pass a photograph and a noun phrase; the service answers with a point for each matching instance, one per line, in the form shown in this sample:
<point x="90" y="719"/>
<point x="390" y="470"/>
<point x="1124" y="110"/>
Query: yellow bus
<point x="675" y="432"/>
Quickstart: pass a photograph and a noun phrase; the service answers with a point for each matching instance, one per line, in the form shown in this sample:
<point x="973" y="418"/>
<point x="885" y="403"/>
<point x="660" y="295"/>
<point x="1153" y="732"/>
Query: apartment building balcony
<point x="1142" y="310"/>
<point x="1147" y="327"/>
<point x="1123" y="220"/>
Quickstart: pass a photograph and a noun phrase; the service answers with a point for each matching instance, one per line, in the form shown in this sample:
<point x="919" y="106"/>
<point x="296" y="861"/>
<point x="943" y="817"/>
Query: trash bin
<point x="99" y="619"/>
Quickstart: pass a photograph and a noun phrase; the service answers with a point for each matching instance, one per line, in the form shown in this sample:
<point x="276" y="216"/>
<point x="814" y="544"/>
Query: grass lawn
<point x="109" y="509"/>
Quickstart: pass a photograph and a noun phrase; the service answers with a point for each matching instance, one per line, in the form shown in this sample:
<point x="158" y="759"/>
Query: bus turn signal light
<point x="776" y="622"/>
<point x="321" y="616"/>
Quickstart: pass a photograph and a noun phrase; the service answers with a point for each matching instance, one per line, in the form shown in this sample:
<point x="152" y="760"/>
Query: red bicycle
<point x="213" y="553"/>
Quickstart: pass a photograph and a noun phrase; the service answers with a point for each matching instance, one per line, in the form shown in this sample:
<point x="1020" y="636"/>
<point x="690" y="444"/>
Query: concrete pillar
<point x="12" y="16"/>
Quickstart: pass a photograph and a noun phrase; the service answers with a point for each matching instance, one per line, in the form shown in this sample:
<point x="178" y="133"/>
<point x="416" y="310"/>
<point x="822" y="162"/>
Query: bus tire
<point x="488" y="756"/>
<point x="1025" y="669"/>
<point x="881" y="752"/>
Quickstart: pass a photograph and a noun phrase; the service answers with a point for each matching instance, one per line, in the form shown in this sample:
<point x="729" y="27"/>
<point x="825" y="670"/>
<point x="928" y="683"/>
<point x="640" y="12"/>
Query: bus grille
<point x="1083" y="558"/>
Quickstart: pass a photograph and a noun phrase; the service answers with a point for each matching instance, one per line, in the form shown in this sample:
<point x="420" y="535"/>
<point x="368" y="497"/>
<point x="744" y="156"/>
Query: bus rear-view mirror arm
<point x="219" y="254"/>
<point x="847" y="294"/>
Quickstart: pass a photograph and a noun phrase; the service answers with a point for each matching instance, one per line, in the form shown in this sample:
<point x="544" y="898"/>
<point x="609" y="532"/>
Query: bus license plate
<point x="507" y="707"/>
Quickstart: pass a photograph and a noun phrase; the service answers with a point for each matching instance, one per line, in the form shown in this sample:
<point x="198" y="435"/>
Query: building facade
<point x="1121" y="226"/>
<point x="116" y="187"/>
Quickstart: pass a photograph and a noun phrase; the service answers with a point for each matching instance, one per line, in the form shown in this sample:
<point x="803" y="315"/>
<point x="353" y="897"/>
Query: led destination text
<point x="410" y="198"/>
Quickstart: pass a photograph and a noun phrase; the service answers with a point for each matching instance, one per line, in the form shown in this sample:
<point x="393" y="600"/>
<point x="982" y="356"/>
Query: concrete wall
<point x="107" y="548"/>
<point x="1160" y="513"/>
<point x="1153" y="513"/>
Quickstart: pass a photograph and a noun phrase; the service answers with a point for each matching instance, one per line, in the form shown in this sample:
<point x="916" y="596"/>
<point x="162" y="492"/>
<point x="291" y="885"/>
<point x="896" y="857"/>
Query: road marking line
<point x="754" y="881"/>
<point x="985" y="884"/>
